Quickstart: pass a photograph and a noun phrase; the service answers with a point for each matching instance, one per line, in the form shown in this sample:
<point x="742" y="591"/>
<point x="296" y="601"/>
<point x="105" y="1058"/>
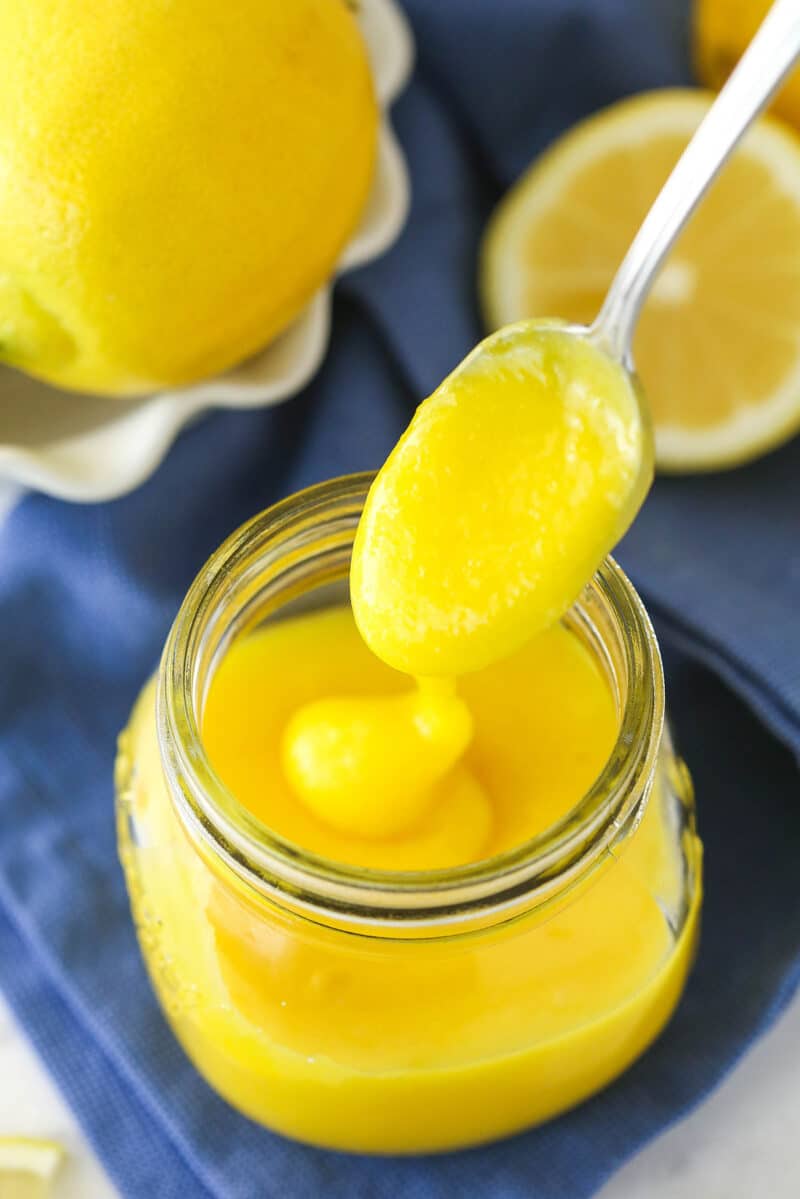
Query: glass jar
<point x="401" y="1012"/>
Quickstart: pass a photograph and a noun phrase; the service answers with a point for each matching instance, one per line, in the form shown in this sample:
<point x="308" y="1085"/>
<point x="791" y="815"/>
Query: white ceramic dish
<point x="79" y="447"/>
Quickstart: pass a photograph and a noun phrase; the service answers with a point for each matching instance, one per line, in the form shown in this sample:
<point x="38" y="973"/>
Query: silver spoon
<point x="768" y="59"/>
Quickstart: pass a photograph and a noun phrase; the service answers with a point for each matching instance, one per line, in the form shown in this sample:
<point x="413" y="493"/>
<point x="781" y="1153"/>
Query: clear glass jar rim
<point x="316" y="885"/>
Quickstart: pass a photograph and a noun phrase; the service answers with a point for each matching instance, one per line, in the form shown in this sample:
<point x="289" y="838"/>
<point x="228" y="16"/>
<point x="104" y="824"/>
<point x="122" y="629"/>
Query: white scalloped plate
<point x="82" y="447"/>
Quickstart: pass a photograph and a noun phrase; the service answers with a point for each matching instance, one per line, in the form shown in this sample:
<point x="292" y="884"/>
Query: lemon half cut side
<point x="718" y="343"/>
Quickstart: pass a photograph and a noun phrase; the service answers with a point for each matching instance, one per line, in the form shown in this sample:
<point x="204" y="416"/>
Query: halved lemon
<point x="28" y="1167"/>
<point x="718" y="343"/>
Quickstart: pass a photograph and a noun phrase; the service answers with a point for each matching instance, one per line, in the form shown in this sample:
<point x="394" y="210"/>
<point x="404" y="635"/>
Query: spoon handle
<point x="769" y="57"/>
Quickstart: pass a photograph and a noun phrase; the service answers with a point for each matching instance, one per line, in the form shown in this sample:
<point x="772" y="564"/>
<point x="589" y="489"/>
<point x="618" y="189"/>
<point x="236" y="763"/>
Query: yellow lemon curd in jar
<point x="511" y="484"/>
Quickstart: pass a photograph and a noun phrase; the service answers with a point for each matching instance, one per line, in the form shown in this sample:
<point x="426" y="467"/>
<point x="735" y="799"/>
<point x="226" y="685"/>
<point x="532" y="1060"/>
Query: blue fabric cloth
<point x="87" y="595"/>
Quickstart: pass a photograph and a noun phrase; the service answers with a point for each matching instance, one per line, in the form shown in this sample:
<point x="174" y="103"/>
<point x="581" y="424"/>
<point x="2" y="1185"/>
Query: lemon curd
<point x="551" y="694"/>
<point x="483" y="922"/>
<point x="514" y="478"/>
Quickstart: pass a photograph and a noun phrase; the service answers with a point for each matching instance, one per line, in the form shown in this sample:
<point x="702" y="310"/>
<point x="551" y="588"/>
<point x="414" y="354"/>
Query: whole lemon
<point x="722" y="30"/>
<point x="177" y="177"/>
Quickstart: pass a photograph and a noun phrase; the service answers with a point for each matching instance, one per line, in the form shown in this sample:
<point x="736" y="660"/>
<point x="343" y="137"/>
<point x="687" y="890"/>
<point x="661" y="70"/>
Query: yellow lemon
<point x="721" y="32"/>
<point x="176" y="180"/>
<point x="28" y="1167"/>
<point x="718" y="343"/>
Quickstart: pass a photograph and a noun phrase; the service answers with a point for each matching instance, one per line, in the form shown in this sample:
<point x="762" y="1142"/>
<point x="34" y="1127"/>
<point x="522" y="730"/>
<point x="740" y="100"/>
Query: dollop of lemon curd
<point x="385" y="778"/>
<point x="509" y="487"/>
<point x="373" y="766"/>
<point x="512" y="483"/>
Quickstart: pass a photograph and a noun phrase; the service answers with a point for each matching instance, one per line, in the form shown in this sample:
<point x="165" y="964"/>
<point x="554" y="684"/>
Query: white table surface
<point x="742" y="1143"/>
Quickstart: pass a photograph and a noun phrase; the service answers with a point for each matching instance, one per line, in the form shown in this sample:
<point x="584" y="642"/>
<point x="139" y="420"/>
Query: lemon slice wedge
<point x="718" y="343"/>
<point x="28" y="1167"/>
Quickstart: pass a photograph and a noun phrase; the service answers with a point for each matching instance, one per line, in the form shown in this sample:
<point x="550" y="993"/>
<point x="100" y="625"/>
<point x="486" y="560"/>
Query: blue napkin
<point x="87" y="595"/>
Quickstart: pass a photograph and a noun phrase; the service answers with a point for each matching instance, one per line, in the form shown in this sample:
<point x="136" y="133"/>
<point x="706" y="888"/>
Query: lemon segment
<point x="28" y="1167"/>
<point x="718" y="343"/>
